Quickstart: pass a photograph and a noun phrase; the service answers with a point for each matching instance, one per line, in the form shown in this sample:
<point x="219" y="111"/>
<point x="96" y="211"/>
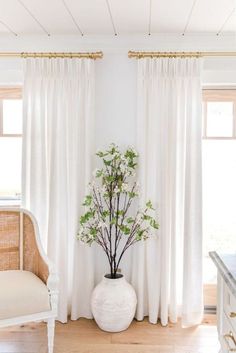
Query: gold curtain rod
<point x="92" y="55"/>
<point x="176" y="54"/>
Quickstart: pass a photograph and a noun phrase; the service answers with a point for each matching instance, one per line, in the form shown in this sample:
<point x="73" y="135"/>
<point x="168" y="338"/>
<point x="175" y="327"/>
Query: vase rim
<point x="108" y="276"/>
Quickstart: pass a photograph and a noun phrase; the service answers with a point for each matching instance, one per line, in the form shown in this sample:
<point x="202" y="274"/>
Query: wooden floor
<point x="210" y="293"/>
<point x="83" y="336"/>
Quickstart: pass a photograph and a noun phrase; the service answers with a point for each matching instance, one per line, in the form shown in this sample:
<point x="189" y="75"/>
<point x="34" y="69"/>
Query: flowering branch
<point x="107" y="220"/>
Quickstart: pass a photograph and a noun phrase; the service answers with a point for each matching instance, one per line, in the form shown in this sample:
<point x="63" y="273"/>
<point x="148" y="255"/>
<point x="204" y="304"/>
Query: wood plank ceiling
<point x="116" y="17"/>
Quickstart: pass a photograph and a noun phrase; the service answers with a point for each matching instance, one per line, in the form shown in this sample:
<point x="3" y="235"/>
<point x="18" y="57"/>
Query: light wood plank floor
<point x="210" y="294"/>
<point x="83" y="336"/>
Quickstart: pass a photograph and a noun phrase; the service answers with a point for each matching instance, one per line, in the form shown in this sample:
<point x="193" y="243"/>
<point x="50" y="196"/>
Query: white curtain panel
<point x="57" y="137"/>
<point x="167" y="271"/>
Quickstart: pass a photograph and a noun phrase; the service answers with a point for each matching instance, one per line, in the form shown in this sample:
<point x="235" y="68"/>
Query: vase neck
<point x="113" y="281"/>
<point x="117" y="276"/>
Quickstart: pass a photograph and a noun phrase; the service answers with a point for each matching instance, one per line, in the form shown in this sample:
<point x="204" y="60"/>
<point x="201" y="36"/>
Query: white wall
<point x="115" y="105"/>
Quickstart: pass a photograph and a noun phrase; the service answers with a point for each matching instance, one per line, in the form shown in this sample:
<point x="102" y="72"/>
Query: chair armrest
<point x="46" y="269"/>
<point x="43" y="267"/>
<point x="53" y="287"/>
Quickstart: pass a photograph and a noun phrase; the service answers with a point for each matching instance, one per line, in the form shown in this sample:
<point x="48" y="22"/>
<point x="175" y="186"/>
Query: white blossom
<point x="91" y="184"/>
<point x="116" y="190"/>
<point x="125" y="187"/>
<point x="132" y="149"/>
<point x="122" y="168"/>
<point x="124" y="160"/>
<point x="103" y="189"/>
<point x="102" y="225"/>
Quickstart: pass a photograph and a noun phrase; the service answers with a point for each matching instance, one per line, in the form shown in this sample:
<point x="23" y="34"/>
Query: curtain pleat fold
<point x="167" y="271"/>
<point x="58" y="136"/>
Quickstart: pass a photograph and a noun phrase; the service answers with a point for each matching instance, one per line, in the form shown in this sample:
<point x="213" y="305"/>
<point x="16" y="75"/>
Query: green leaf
<point x="130" y="220"/>
<point x="139" y="234"/>
<point x="110" y="178"/>
<point x="132" y="194"/>
<point x="82" y="220"/>
<point x="130" y="154"/>
<point x="146" y="217"/>
<point x="132" y="165"/>
<point x="107" y="163"/>
<point x="149" y="205"/>
<point x="88" y="200"/>
<point x="86" y="217"/>
<point x="154" y="224"/>
<point x="113" y="221"/>
<point x="105" y="213"/>
<point x="99" y="173"/>
<point x="112" y="149"/>
<point x="125" y="229"/>
<point x="100" y="154"/>
<point x="106" y="195"/>
<point x="93" y="231"/>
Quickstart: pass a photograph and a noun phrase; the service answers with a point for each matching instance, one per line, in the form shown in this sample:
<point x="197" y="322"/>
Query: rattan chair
<point x="28" y="282"/>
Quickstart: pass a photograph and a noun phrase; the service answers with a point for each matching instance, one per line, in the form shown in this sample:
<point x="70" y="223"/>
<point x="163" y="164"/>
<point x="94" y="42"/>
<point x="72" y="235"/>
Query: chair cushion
<point x="22" y="293"/>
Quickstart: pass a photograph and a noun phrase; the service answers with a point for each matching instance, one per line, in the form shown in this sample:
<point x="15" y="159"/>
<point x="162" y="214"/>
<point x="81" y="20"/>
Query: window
<point x="219" y="175"/>
<point x="10" y="143"/>
<point x="219" y="109"/>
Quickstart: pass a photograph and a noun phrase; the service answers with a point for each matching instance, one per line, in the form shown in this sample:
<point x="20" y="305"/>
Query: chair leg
<point x="51" y="327"/>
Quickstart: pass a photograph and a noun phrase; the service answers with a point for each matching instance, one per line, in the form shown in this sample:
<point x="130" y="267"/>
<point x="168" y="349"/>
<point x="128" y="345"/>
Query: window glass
<point x="12" y="116"/>
<point x="219" y="200"/>
<point x="220" y="119"/>
<point x="218" y="176"/>
<point x="10" y="145"/>
<point x="10" y="161"/>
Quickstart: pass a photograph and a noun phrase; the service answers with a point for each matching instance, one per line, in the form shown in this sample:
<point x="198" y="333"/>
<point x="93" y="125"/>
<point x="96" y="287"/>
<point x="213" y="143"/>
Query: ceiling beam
<point x="150" y="18"/>
<point x="34" y="18"/>
<point x="111" y="18"/>
<point x="72" y="17"/>
<point x="189" y="17"/>
<point x="8" y="28"/>
<point x="225" y="22"/>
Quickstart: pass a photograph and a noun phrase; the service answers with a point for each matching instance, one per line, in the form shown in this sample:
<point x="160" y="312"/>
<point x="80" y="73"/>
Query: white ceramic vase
<point x="113" y="304"/>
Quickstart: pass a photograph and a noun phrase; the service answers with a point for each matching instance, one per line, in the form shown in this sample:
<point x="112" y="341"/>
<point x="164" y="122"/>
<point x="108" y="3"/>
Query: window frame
<point x="8" y="93"/>
<point x="218" y="95"/>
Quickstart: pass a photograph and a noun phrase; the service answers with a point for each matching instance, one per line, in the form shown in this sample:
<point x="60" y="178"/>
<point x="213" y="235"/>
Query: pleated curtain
<point x="167" y="271"/>
<point x="57" y="148"/>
